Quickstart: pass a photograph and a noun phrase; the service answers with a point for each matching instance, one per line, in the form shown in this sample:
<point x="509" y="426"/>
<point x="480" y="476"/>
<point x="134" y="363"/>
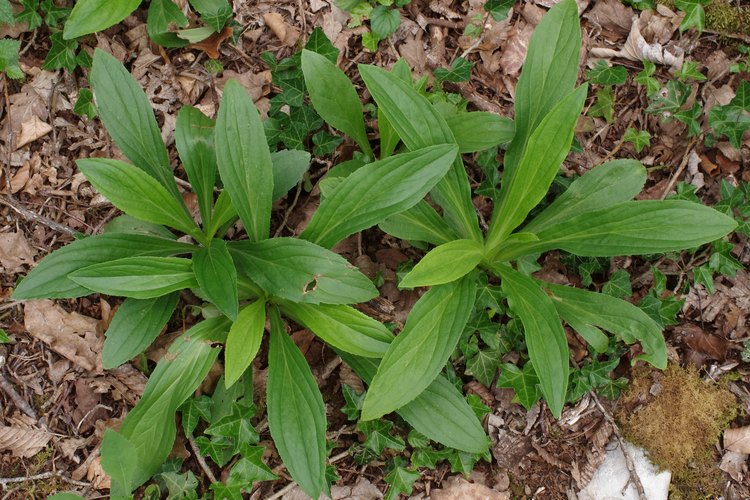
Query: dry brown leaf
<point x="361" y="490"/>
<point x="285" y="32"/>
<point x="515" y="49"/>
<point x="612" y="17"/>
<point x="256" y="84"/>
<point x="23" y="443"/>
<point x="15" y="251"/>
<point x="458" y="488"/>
<point x="31" y="130"/>
<point x="69" y="446"/>
<point x="97" y="477"/>
<point x="738" y="439"/>
<point x="734" y="464"/>
<point x="212" y="44"/>
<point x="72" y="335"/>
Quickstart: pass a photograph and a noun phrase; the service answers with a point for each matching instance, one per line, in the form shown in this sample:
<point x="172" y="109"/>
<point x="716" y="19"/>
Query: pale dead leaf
<point x="737" y="439"/>
<point x="285" y="32"/>
<point x="612" y="16"/>
<point x="413" y="51"/>
<point x="458" y="488"/>
<point x="69" y="446"/>
<point x="97" y="477"/>
<point x="316" y="5"/>
<point x="515" y="49"/>
<point x="15" y="252"/>
<point x="72" y="335"/>
<point x="256" y="84"/>
<point x="734" y="464"/>
<point x="361" y="490"/>
<point x="31" y="130"/>
<point x="23" y="443"/>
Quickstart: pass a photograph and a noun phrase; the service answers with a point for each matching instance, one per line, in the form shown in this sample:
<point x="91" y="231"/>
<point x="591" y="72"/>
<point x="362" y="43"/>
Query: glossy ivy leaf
<point x="62" y="54"/>
<point x="646" y="79"/>
<point x="244" y="160"/>
<point x="733" y="119"/>
<point x="548" y="76"/>
<point x="296" y="414"/>
<point x="525" y="383"/>
<point x="236" y="427"/>
<point x="420" y="125"/>
<point x="137" y="277"/>
<point x="193" y="410"/>
<point x="527" y="184"/>
<point x="445" y="263"/>
<point x="604" y="106"/>
<point x="440" y="412"/>
<point x="353" y="401"/>
<point x="639" y="138"/>
<point x="135" y="325"/>
<point x="136" y="194"/>
<point x="164" y="16"/>
<point x="215" y="13"/>
<point x="127" y="116"/>
<point x="670" y="99"/>
<point x="319" y="42"/>
<point x="483" y="365"/>
<point x="335" y="98"/>
<point x="619" y="285"/>
<point x="243" y="340"/>
<point x="545" y="337"/>
<point x="420" y="351"/>
<point x="495" y="129"/>
<point x="419" y="223"/>
<point x="695" y="15"/>
<point x="603" y="186"/>
<point x="401" y="481"/>
<point x="217" y="277"/>
<point x="300" y="271"/>
<point x="604" y="74"/>
<point x="89" y="16"/>
<point x="9" y="58"/>
<point x="384" y="21"/>
<point x="376" y="191"/>
<point x="194" y="138"/>
<point x="586" y="309"/>
<point x="460" y="71"/>
<point x="378" y="436"/>
<point x="180" y="485"/>
<point x="343" y="327"/>
<point x="150" y="425"/>
<point x="84" y="105"/>
<point x="250" y="469"/>
<point x="49" y="279"/>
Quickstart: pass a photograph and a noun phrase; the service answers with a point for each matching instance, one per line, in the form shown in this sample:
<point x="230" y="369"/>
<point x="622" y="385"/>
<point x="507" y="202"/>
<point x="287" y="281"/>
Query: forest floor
<point x="56" y="400"/>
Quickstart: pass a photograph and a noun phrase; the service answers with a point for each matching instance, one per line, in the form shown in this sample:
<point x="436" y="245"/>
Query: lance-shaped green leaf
<point x="150" y="425"/>
<point x="119" y="459"/>
<point x="89" y="16"/>
<point x="300" y="271"/>
<point x="217" y="277"/>
<point x="134" y="326"/>
<point x="136" y="194"/>
<point x="244" y="160"/>
<point x="137" y="277"/>
<point x="334" y="97"/>
<point x="420" y="125"/>
<point x="289" y="165"/>
<point x="343" y="327"/>
<point x="126" y="224"/>
<point x="194" y="138"/>
<point x="479" y="130"/>
<point x="549" y="74"/>
<point x="444" y="264"/>
<point x="440" y="412"/>
<point x="525" y="186"/>
<point x="49" y="279"/>
<point x="421" y="350"/>
<point x="296" y="415"/>
<point x="605" y="185"/>
<point x="243" y="340"/>
<point x="420" y="223"/>
<point x="615" y="315"/>
<point x="127" y="115"/>
<point x="376" y="191"/>
<point x="545" y="337"/>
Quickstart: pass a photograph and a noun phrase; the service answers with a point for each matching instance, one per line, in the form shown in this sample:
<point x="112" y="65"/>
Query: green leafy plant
<point x="383" y="16"/>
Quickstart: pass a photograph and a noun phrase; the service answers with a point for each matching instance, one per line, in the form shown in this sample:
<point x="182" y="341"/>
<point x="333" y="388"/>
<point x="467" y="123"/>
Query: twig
<point x="283" y="491"/>
<point x="20" y="403"/>
<point x="5" y="481"/>
<point x="681" y="168"/>
<point x="201" y="461"/>
<point x="628" y="459"/>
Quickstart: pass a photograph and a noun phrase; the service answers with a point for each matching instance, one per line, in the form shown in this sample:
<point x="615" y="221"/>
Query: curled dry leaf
<point x="636" y="48"/>
<point x="612" y="16"/>
<point x="72" y="335"/>
<point x="284" y="31"/>
<point x="31" y="130"/>
<point x="737" y="440"/>
<point x="23" y="443"/>
<point x="212" y="44"/>
<point x="458" y="488"/>
<point x="15" y="252"/>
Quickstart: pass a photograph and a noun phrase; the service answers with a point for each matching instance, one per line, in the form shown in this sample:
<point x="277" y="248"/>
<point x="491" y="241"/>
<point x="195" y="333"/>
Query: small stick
<point x="199" y="458"/>
<point x="20" y="403"/>
<point x="283" y="491"/>
<point x="5" y="481"/>
<point x="681" y="168"/>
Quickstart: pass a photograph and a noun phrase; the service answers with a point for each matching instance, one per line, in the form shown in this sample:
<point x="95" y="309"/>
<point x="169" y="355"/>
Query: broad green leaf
<point x="214" y="13"/>
<point x="549" y="75"/>
<point x="137" y="194"/>
<point x="631" y="324"/>
<point x="389" y="139"/>
<point x="163" y="17"/>
<point x="9" y="58"/>
<point x="334" y="97"/>
<point x="130" y="225"/>
<point x="440" y="412"/>
<point x="65" y="495"/>
<point x="194" y="138"/>
<point x="289" y="165"/>
<point x="444" y="264"/>
<point x="137" y="277"/>
<point x="545" y="337"/>
<point x="384" y="21"/>
<point x="420" y="223"/>
<point x="195" y="35"/>
<point x="243" y="340"/>
<point x="479" y="130"/>
<point x="420" y="125"/>
<point x="244" y="160"/>
<point x="296" y="415"/>
<point x="300" y="271"/>
<point x="119" y="459"/>
<point x="217" y="277"/>
<point x="527" y="184"/>
<point x="605" y="185"/>
<point x="89" y="16"/>
<point x="49" y="279"/>
<point x="695" y="15"/>
<point x="134" y="326"/>
<point x="150" y="425"/>
<point x="343" y="327"/>
<point x="421" y="350"/>
<point x="127" y="115"/>
<point x="377" y="191"/>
